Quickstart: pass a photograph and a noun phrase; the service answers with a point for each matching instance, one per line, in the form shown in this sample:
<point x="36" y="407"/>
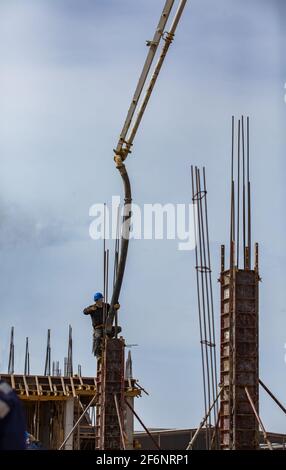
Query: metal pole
<point x="119" y="421"/>
<point x="48" y="355"/>
<point x="27" y="359"/>
<point x="272" y="396"/>
<point x="258" y="419"/>
<point x="243" y="191"/>
<point x="70" y="359"/>
<point x="248" y="195"/>
<point x="116" y="256"/>
<point x="143" y="425"/>
<point x="11" y="353"/>
<point x="208" y="276"/>
<point x="107" y="275"/>
<point x="190" y="445"/>
<point x="206" y="267"/>
<point x="77" y="423"/>
<point x="238" y="192"/>
<point x="116" y="250"/>
<point x="201" y="268"/>
<point x="104" y="265"/>
<point x="232" y="216"/>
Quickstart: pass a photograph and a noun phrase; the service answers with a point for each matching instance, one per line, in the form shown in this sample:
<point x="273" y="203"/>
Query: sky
<point x="68" y="70"/>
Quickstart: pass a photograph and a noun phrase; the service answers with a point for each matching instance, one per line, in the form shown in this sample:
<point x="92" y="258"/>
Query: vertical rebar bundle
<point x="240" y="212"/>
<point x="205" y="298"/>
<point x="105" y="269"/>
<point x="106" y="263"/>
<point x="239" y="359"/>
<point x="117" y="247"/>
<point x="11" y="353"/>
<point x="56" y="369"/>
<point x="27" y="359"/>
<point x="116" y="259"/>
<point x="65" y="366"/>
<point x="69" y="367"/>
<point x="48" y="355"/>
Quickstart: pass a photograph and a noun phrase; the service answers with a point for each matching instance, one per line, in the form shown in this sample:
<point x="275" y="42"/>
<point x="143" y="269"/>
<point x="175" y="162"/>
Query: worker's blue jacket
<point x="12" y="420"/>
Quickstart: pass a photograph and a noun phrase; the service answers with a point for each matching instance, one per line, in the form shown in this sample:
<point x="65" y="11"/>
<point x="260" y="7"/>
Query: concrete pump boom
<point x="128" y="134"/>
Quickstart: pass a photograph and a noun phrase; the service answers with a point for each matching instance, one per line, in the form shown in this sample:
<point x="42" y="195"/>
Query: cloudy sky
<point x="68" y="69"/>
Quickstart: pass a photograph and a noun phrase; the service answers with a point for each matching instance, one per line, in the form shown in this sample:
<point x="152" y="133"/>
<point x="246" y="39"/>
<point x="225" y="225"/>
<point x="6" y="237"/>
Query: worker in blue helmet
<point x="98" y="313"/>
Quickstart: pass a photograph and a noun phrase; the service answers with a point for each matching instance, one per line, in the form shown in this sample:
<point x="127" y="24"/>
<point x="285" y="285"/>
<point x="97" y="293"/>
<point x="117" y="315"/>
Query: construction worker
<point x="32" y="443"/>
<point x="12" y="420"/>
<point x="98" y="312"/>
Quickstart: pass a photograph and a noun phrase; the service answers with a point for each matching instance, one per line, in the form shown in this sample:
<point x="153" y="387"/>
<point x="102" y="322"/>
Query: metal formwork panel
<point x="110" y="383"/>
<point x="226" y="360"/>
<point x="239" y="358"/>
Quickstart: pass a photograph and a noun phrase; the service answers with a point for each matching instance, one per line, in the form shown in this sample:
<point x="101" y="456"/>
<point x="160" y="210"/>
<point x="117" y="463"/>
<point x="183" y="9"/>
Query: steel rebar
<point x="273" y="396"/>
<point x="194" y="191"/>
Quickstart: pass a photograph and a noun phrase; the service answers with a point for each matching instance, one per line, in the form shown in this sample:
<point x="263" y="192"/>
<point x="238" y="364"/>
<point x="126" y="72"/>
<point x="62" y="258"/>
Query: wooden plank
<point x="63" y="386"/>
<point x="37" y="385"/>
<point x="13" y="382"/>
<point x="26" y="386"/>
<point x="50" y="383"/>
<point x="72" y="386"/>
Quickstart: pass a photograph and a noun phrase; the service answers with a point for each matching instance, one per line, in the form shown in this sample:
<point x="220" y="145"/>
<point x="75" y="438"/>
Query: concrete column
<point x="69" y="418"/>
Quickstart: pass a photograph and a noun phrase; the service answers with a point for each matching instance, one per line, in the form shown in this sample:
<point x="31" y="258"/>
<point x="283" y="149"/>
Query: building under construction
<point x="70" y="411"/>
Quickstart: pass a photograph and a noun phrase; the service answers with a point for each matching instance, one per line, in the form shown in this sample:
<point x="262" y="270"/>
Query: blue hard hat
<point x="98" y="296"/>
